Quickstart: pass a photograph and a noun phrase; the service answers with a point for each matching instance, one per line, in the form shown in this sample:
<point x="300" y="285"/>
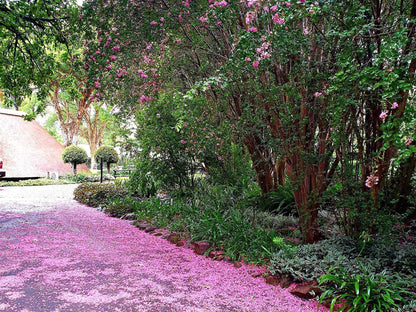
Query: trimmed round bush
<point x="99" y="195"/>
<point x="108" y="154"/>
<point x="74" y="155"/>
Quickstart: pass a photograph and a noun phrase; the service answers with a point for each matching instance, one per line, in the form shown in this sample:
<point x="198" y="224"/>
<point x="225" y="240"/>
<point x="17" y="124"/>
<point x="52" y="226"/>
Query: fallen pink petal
<point x="59" y="255"/>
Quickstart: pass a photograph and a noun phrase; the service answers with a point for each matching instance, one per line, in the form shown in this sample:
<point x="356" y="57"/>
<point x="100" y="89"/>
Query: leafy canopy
<point x="29" y="31"/>
<point x="107" y="153"/>
<point x="74" y="155"/>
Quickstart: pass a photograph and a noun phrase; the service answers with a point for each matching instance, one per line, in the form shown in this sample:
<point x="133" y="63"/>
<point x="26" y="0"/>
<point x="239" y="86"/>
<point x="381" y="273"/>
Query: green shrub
<point x="120" y="207"/>
<point x="309" y="262"/>
<point x="74" y="155"/>
<point x="99" y="194"/>
<point x="234" y="170"/>
<point x="361" y="292"/>
<point x="243" y="239"/>
<point x="141" y="182"/>
<point x="280" y="201"/>
<point x="213" y="214"/>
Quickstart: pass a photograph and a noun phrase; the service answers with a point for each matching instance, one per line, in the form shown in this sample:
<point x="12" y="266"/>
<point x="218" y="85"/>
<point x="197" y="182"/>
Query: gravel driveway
<point x="59" y="255"/>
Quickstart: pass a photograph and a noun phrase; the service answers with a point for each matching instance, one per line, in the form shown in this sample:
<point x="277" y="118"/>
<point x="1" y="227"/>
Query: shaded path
<point x="59" y="255"/>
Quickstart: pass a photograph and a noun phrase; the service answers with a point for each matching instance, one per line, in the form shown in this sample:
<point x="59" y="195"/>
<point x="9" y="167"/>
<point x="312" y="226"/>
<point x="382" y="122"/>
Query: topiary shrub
<point x="74" y="155"/>
<point x="99" y="195"/>
<point x="108" y="155"/>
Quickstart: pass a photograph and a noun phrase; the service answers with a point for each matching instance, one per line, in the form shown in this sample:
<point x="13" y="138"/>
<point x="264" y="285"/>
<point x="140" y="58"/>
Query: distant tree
<point x="74" y="155"/>
<point x="69" y="95"/>
<point x="108" y="154"/>
<point x="70" y="110"/>
<point x="94" y="125"/>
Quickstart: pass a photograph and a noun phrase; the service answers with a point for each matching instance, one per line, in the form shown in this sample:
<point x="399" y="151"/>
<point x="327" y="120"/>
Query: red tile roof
<point x="28" y="150"/>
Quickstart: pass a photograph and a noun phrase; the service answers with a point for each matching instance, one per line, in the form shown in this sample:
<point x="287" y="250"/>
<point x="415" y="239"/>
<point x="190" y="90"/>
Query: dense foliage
<point x="29" y="31"/>
<point x="211" y="215"/>
<point x="363" y="292"/>
<point x="282" y="79"/>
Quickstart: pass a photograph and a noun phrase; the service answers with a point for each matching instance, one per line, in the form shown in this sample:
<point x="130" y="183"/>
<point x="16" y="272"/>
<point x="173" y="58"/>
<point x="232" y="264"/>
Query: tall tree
<point x="94" y="124"/>
<point x="70" y="110"/>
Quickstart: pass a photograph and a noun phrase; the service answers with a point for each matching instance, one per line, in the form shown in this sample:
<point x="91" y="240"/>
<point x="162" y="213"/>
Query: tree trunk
<point x="281" y="170"/>
<point x="262" y="163"/>
<point x="306" y="198"/>
<point x="402" y="184"/>
<point x="74" y="166"/>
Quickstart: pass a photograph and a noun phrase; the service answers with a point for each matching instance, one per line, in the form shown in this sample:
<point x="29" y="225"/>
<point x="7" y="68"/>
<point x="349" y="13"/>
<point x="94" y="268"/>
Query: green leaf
<point x="357" y="287"/>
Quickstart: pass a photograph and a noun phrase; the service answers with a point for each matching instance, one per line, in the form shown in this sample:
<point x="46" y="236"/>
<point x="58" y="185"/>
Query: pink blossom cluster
<point x="371" y="181"/>
<point x="250" y="16"/>
<point x="222" y="3"/>
<point x="383" y="115"/>
<point x="255" y="3"/>
<point x="204" y="19"/>
<point x="263" y="50"/>
<point x="200" y="137"/>
<point x="145" y="98"/>
<point x="277" y="19"/>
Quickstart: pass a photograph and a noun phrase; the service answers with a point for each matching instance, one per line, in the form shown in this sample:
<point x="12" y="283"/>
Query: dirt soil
<point x="59" y="255"/>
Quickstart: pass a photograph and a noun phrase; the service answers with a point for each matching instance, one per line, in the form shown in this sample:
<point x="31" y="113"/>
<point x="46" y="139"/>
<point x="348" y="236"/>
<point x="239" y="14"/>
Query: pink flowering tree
<point x="318" y="92"/>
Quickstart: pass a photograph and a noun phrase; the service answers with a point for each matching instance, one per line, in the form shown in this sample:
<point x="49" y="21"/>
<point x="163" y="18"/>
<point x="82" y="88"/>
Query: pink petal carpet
<point x="66" y="256"/>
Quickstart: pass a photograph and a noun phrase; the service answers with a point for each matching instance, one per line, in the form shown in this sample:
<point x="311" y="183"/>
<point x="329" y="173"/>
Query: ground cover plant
<point x="365" y="291"/>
